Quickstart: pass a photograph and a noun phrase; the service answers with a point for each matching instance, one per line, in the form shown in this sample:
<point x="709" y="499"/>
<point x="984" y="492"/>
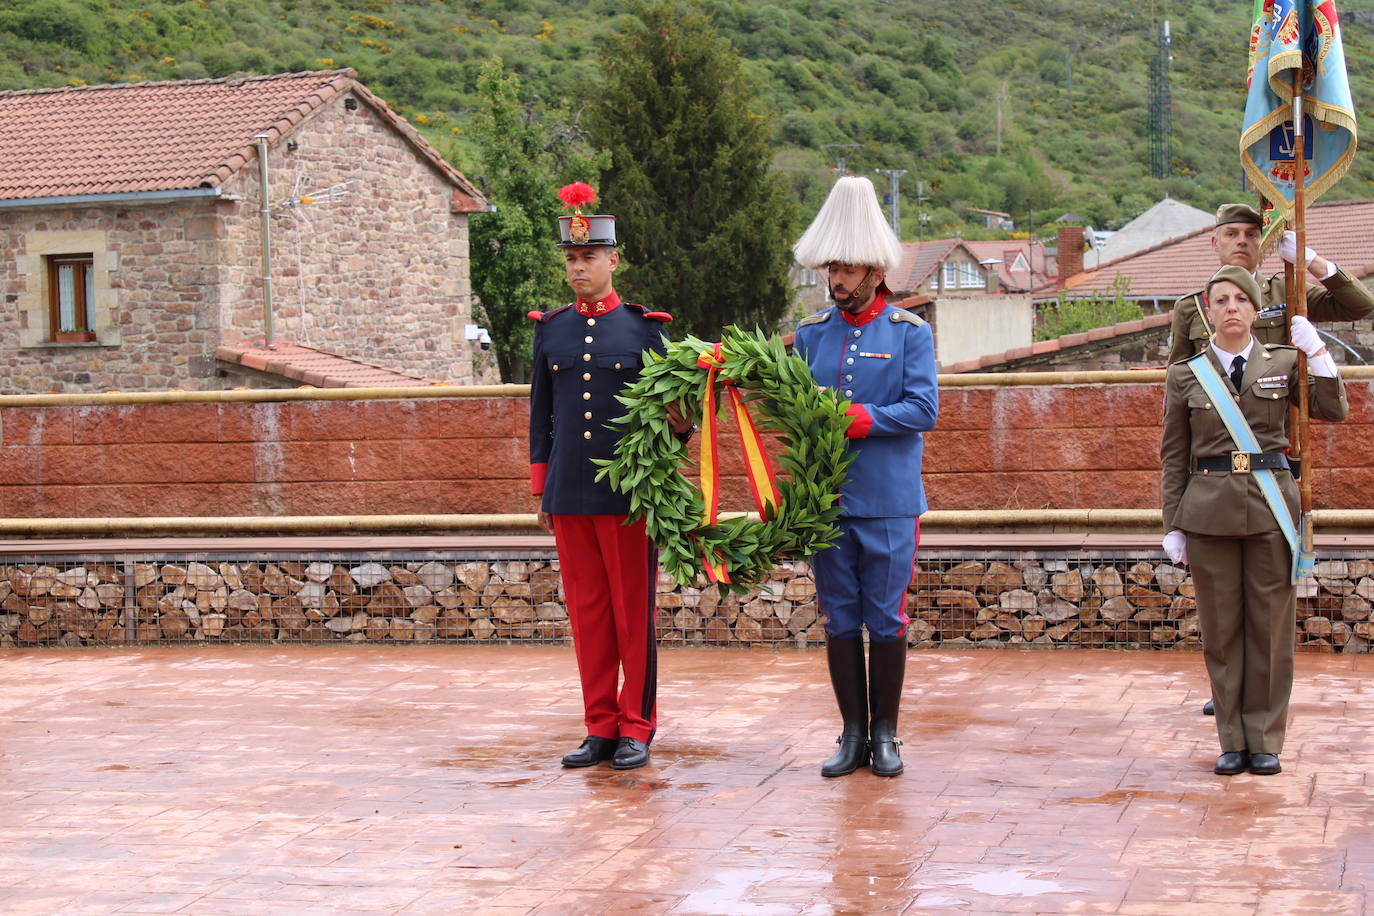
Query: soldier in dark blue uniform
<point x="585" y="353"/>
<point x="882" y="360"/>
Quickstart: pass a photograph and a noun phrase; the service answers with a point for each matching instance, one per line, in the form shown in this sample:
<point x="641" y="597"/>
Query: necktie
<point x="1237" y="371"/>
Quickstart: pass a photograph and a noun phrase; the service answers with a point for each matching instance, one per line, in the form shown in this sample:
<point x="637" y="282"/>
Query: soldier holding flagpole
<point x="1298" y="138"/>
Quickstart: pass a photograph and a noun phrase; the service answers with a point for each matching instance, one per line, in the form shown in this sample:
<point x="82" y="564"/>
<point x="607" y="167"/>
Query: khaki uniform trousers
<point x="1247" y="610"/>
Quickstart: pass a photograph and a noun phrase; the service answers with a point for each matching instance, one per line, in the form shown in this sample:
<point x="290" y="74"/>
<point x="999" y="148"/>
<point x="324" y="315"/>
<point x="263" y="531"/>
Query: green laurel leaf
<point x="809" y="423"/>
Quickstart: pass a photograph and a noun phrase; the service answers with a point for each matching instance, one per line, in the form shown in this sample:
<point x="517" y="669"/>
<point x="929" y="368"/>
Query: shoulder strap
<point x="1202" y="312"/>
<point x="1244" y="439"/>
<point x="540" y="317"/>
<point x="655" y="316"/>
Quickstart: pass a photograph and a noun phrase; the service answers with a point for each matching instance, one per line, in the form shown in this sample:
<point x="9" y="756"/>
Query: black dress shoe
<point x="593" y="751"/>
<point x="630" y="754"/>
<point x="1231" y="763"/>
<point x="1209" y="708"/>
<point x="1265" y="764"/>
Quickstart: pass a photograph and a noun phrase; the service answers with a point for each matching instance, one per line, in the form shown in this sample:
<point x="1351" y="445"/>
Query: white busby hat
<point x="850" y="229"/>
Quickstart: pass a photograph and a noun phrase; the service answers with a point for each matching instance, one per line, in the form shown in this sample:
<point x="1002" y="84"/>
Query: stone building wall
<point x="157" y="297"/>
<point x="1357" y="335"/>
<point x="380" y="272"/>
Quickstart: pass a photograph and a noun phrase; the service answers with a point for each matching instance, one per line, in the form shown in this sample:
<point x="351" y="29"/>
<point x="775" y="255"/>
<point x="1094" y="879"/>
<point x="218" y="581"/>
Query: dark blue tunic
<point x="585" y="353"/>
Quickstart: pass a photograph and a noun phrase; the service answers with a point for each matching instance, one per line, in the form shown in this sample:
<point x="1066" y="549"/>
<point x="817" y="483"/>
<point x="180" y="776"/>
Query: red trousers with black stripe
<point x="610" y="579"/>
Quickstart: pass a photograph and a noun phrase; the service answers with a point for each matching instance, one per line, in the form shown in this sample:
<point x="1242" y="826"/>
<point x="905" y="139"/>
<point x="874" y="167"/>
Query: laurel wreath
<point x="810" y="422"/>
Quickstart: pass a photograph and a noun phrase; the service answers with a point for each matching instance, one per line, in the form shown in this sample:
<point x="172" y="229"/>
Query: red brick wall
<point x="1070" y="252"/>
<point x="1012" y="447"/>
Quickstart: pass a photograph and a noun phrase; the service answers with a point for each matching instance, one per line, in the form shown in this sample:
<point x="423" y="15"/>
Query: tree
<point x="516" y="267"/>
<point x="705" y="226"/>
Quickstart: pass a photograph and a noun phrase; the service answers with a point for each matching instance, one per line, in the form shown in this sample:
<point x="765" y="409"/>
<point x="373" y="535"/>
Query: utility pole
<point x="265" y="214"/>
<point x="1068" y="77"/>
<point x="922" y="217"/>
<point x="843" y="157"/>
<point x="893" y="176"/>
<point x="1001" y="100"/>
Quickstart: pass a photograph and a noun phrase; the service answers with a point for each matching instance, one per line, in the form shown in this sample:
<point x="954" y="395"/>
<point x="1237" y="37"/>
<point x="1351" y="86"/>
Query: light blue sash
<point x="1244" y="438"/>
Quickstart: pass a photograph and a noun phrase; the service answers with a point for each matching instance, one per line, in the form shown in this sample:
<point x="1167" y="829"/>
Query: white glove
<point x="1305" y="337"/>
<point x="1288" y="248"/>
<point x="1176" y="546"/>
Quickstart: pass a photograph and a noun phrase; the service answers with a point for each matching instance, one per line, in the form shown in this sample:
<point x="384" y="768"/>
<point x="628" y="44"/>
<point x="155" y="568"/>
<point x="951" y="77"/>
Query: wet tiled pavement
<point x="425" y="780"/>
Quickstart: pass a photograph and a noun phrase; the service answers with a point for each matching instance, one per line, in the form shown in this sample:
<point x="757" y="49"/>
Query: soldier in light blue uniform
<point x="882" y="360"/>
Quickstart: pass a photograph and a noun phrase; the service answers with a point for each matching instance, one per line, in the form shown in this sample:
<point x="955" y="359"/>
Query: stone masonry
<point x="378" y="272"/>
<point x="957" y="599"/>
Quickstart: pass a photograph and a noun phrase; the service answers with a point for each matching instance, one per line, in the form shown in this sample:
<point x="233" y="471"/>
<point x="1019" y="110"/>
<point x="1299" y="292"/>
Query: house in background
<point x="131" y="234"/>
<point x="1020" y="265"/>
<point x="993" y="219"/>
<point x="1157" y="276"/>
<point x="1168" y="219"/>
<point x="942" y="267"/>
<point x="958" y="286"/>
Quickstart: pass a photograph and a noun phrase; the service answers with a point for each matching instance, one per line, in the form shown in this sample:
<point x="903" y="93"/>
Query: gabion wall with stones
<point x="958" y="598"/>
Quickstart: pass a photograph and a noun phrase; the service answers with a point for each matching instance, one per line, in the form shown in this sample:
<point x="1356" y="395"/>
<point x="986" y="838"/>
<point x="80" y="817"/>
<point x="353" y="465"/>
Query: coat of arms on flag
<point x="1287" y="35"/>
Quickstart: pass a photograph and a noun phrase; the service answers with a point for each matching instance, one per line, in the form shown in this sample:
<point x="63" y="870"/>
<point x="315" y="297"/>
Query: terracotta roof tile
<point x="169" y="136"/>
<point x="1060" y="344"/>
<point x="919" y="260"/>
<point x="1005" y="252"/>
<point x="310" y="366"/>
<point x="1338" y="230"/>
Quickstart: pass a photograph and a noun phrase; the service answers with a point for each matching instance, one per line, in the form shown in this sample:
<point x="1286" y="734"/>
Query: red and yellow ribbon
<point x="757" y="468"/>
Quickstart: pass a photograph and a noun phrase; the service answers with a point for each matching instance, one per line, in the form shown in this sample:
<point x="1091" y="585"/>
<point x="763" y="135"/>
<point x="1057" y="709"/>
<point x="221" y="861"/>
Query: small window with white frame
<point x="970" y="276"/>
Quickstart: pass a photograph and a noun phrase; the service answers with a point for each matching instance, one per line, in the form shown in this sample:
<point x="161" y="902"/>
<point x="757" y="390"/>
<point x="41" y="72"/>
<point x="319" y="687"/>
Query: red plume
<point x="576" y="194"/>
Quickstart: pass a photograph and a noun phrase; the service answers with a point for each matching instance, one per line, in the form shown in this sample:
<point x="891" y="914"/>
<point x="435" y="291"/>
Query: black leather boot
<point x="886" y="670"/>
<point x="846" y="660"/>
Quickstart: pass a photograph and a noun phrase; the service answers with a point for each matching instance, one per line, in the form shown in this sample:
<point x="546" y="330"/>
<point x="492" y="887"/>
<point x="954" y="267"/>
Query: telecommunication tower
<point x="1161" y="107"/>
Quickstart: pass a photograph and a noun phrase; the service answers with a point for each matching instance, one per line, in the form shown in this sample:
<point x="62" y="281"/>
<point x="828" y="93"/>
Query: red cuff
<point x="537" y="473"/>
<point x="862" y="422"/>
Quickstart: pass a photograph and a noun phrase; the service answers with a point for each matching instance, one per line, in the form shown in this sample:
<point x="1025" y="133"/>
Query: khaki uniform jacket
<point x="1340" y="297"/>
<point x="1221" y="503"/>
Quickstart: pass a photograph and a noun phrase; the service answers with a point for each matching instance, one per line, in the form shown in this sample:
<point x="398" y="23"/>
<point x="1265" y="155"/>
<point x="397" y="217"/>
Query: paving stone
<point x="396" y="780"/>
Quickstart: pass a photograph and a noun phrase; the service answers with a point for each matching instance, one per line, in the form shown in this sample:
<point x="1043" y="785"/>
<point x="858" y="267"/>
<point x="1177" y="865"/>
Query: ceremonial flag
<point x="1285" y="35"/>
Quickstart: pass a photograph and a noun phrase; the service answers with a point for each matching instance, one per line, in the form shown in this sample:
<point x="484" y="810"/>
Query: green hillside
<point x="915" y="84"/>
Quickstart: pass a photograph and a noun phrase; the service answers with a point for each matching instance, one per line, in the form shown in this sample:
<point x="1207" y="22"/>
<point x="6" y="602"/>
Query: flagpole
<point x="1295" y="283"/>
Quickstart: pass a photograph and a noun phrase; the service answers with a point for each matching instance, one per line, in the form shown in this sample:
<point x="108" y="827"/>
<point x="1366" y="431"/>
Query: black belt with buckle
<point x="1241" y="463"/>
